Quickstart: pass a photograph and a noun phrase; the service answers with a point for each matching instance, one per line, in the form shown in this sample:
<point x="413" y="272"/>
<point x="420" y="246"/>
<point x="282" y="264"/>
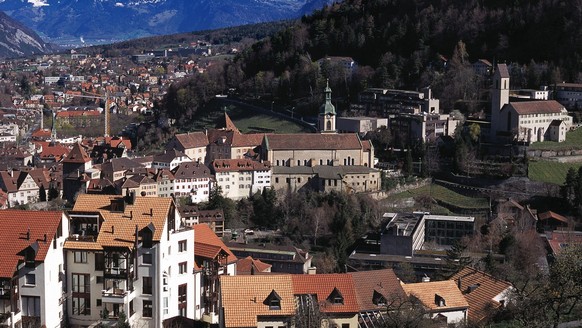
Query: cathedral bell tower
<point x="327" y="113"/>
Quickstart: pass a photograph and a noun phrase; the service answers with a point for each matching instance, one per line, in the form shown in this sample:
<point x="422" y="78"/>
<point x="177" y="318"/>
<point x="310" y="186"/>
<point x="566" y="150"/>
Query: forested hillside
<point x="401" y="44"/>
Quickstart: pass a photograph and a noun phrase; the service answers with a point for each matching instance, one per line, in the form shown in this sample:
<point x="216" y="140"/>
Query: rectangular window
<point x="81" y="305"/>
<point x="81" y="283"/>
<point x="98" y="302"/>
<point x="31" y="306"/>
<point x="183" y="267"/>
<point x="30" y="279"/>
<point x="99" y="261"/>
<point x="182" y="245"/>
<point x="147" y="285"/>
<point x="182" y="299"/>
<point x="147" y="309"/>
<point x="147" y="258"/>
<point x="80" y="257"/>
<point x="99" y="279"/>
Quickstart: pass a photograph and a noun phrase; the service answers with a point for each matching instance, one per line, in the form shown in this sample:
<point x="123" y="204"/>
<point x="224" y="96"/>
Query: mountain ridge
<point x="17" y="40"/>
<point x="123" y="19"/>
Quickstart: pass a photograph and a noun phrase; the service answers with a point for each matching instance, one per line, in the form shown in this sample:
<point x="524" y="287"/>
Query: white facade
<point x="198" y="189"/>
<point x="27" y="193"/>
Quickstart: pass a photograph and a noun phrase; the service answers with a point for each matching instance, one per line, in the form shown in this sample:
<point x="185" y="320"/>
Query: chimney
<point x="312" y="270"/>
<point x="45" y="237"/>
<point x="28" y="234"/>
<point x="425" y="278"/>
<point x="151" y="212"/>
<point x="130" y="215"/>
<point x="112" y="229"/>
<point x="459" y="283"/>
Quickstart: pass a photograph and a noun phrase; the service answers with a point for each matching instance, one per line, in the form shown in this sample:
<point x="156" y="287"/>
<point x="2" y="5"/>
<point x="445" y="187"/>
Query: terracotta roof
<point x="229" y="124"/>
<point x="480" y="289"/>
<point x="369" y="283"/>
<point x="536" y="107"/>
<point x="14" y="228"/>
<point x="191" y="140"/>
<point x="312" y="141"/>
<point x="248" y="265"/>
<point x="323" y="285"/>
<point x="208" y="245"/>
<point x="236" y="165"/>
<point x="551" y="215"/>
<point x="10" y="183"/>
<point x="426" y="293"/>
<point x="77" y="155"/>
<point x="561" y="239"/>
<point x="118" y="228"/>
<point x="242" y="305"/>
<point x="247" y="140"/>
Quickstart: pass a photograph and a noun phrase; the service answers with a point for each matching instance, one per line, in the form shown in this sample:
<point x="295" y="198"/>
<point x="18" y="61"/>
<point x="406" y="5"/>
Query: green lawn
<point x="444" y="195"/>
<point x="573" y="141"/>
<point x="550" y="171"/>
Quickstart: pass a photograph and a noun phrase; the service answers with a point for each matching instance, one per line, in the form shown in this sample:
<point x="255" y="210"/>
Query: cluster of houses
<point x="139" y="258"/>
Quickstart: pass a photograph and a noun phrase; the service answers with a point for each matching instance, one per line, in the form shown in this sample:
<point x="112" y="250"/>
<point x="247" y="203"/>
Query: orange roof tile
<point x="243" y="298"/>
<point x="207" y="244"/>
<point x="118" y="228"/>
<point x="426" y="293"/>
<point x="384" y="282"/>
<point x="322" y="285"/>
<point x="248" y="264"/>
<point x="537" y="107"/>
<point x="306" y="141"/>
<point x="480" y="289"/>
<point x="77" y="155"/>
<point x="21" y="229"/>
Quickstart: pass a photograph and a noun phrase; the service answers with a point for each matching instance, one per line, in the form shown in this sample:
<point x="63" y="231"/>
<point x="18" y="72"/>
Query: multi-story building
<point x="193" y="144"/>
<point x="31" y="270"/>
<point x="130" y="255"/>
<point x="165" y="182"/>
<point x="169" y="159"/>
<point x="286" y="259"/>
<point x="229" y="143"/>
<point x="569" y="95"/>
<point x="192" y="215"/>
<point x="194" y="180"/>
<point x="239" y="178"/>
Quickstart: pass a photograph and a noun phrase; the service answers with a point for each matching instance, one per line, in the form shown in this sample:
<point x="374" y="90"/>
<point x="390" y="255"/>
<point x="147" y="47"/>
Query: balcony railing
<point x="114" y="292"/>
<point x="77" y="237"/>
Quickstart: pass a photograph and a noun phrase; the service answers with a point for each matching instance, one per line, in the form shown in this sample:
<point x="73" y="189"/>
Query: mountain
<point x="17" y="40"/>
<point x="127" y="19"/>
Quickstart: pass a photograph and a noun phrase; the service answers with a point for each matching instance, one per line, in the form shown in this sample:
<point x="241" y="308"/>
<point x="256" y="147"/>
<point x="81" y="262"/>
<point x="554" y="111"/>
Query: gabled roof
<point x="77" y="155"/>
<point x="323" y="285"/>
<point x="383" y="282"/>
<point x="228" y="124"/>
<point x="237" y="165"/>
<point x="119" y="164"/>
<point x="21" y="229"/>
<point x="480" y="290"/>
<point x="188" y="170"/>
<point x="552" y="215"/>
<point x="118" y="228"/>
<point x="312" y="141"/>
<point x="190" y="140"/>
<point x="242" y="306"/>
<point x="168" y="156"/>
<point x="208" y="245"/>
<point x="536" y="107"/>
<point x="502" y="70"/>
<point x="428" y="292"/>
<point x="248" y="265"/>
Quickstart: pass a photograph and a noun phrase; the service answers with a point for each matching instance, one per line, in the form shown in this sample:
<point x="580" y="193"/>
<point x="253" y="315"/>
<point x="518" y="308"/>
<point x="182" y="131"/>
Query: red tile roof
<point x="312" y="141"/>
<point x="537" y="107"/>
<point x="248" y="265"/>
<point x="426" y="293"/>
<point x="236" y="165"/>
<point x="323" y="285"/>
<point x="14" y="228"/>
<point x="208" y="245"/>
<point x="77" y="155"/>
<point x="384" y="282"/>
<point x="192" y="140"/>
<point x="480" y="289"/>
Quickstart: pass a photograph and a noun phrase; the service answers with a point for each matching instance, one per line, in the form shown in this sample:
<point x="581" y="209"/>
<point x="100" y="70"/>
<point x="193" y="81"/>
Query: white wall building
<point x="240" y="178"/>
<point x="192" y="180"/>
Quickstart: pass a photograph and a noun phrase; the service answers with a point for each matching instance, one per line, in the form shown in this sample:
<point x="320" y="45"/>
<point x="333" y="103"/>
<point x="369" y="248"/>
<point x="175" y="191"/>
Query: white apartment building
<point x="240" y="178"/>
<point x="194" y="180"/>
<point x="165" y="182"/>
<point x="129" y="255"/>
<point x="31" y="279"/>
<point x="170" y="159"/>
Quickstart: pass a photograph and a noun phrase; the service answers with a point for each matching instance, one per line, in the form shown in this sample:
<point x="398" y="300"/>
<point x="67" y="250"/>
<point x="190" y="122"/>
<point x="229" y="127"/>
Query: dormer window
<point x="439" y="300"/>
<point x="335" y="297"/>
<point x="378" y="299"/>
<point x="273" y="301"/>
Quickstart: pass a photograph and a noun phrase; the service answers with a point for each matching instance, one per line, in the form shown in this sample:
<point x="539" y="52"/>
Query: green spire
<point x="328" y="107"/>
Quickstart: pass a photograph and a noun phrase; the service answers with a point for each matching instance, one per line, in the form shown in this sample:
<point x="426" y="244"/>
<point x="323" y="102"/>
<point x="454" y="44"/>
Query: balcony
<point x="117" y="295"/>
<point x="80" y="237"/>
<point x="211" y="318"/>
<point x="117" y="272"/>
<point x="6" y="319"/>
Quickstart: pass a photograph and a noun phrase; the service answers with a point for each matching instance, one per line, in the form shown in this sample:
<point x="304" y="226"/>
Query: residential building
<point x="131" y="255"/>
<point x="139" y="184"/>
<point x="229" y="143"/>
<point x="284" y="259"/>
<point x="193" y="180"/>
<point x="31" y="273"/>
<point x="20" y="187"/>
<point x="115" y="169"/>
<point x="388" y="101"/>
<point x="75" y="165"/>
<point x="484" y="293"/>
<point x="569" y="95"/>
<point x="192" y="215"/>
<point x="250" y="266"/>
<point x="169" y="159"/>
<point x="360" y="124"/>
<point x="165" y="182"/>
<point x="212" y="259"/>
<point x="442" y="299"/>
<point x="325" y="178"/>
<point x="193" y="144"/>
<point x="482" y="67"/>
<point x="240" y="178"/>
